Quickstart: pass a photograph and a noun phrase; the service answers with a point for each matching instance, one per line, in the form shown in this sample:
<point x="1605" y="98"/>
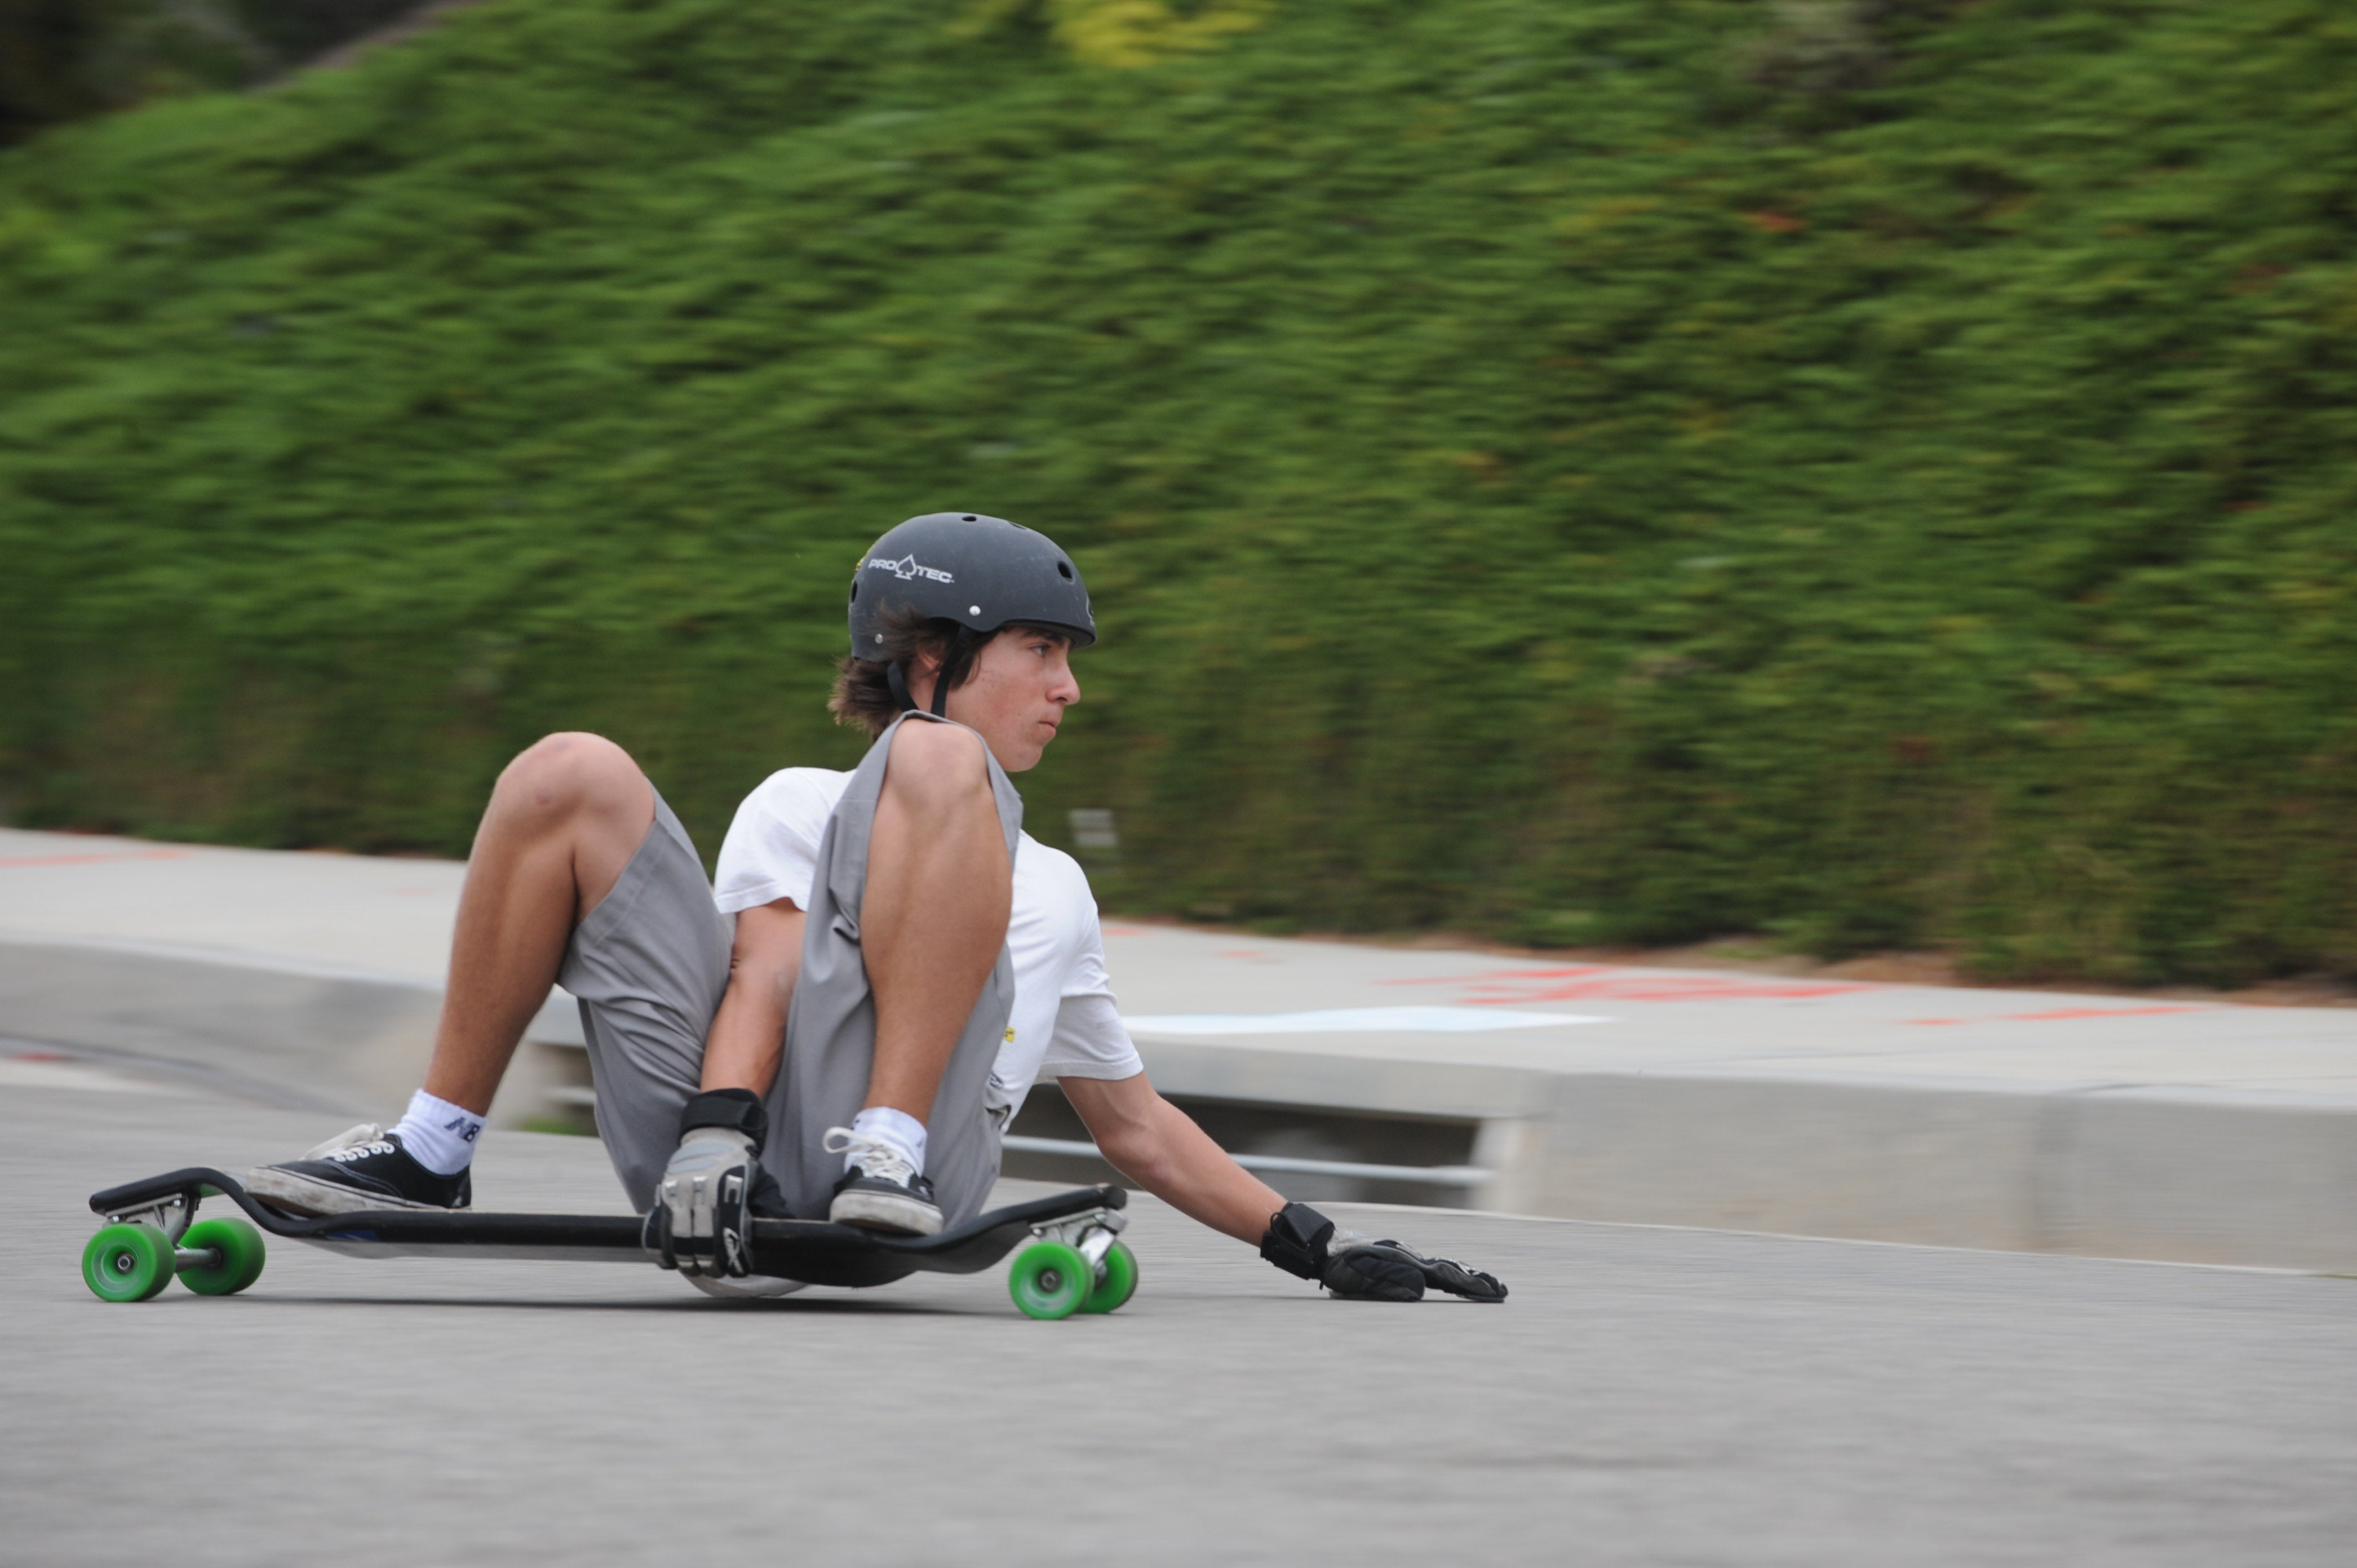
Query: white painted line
<point x="1354" y="1021"/>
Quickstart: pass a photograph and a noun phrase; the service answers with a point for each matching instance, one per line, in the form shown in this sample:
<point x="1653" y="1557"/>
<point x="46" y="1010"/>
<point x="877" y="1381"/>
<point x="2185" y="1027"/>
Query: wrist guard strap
<point x="740" y="1110"/>
<point x="1296" y="1241"/>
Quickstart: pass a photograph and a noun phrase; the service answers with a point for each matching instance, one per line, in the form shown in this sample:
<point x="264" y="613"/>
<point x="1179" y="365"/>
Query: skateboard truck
<point x="171" y="1215"/>
<point x="1076" y="1262"/>
<point x="1091" y="1234"/>
<point x="152" y="1237"/>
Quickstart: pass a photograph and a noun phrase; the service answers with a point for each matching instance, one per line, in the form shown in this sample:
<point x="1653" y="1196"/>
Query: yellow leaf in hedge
<point x="1127" y="34"/>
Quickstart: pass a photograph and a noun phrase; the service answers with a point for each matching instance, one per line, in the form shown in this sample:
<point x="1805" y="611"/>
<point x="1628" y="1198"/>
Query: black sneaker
<point x="881" y="1190"/>
<point x="365" y="1168"/>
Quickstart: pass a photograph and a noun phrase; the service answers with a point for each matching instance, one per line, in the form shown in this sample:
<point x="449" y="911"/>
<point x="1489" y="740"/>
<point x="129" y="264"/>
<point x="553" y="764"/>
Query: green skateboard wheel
<point x="241" y="1250"/>
<point x="1050" y="1280"/>
<point x="1120" y="1282"/>
<point x="127" y="1262"/>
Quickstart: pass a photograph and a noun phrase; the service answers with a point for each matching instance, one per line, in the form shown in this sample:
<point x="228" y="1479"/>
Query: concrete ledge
<point x="2213" y="1178"/>
<point x="2182" y="1174"/>
<point x="338" y="1040"/>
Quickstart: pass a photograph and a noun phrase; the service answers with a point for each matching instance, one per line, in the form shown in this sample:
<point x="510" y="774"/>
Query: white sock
<point x="898" y="1128"/>
<point x="440" y="1135"/>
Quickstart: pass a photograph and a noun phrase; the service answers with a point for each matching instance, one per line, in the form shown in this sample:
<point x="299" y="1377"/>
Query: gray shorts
<point x="650" y="964"/>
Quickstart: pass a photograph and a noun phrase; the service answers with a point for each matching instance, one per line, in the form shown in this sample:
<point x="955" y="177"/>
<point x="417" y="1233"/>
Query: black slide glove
<point x="1303" y="1242"/>
<point x="703" y="1219"/>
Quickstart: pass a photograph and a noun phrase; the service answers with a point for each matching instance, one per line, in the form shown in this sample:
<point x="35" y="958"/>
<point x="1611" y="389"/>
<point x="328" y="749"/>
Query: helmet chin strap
<point x="898" y="678"/>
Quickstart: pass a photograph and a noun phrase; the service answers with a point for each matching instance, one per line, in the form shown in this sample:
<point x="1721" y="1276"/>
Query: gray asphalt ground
<point x="1647" y="1396"/>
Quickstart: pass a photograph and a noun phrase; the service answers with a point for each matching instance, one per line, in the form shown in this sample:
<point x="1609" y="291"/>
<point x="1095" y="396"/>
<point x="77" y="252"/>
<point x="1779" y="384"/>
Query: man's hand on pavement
<point x="1303" y="1242"/>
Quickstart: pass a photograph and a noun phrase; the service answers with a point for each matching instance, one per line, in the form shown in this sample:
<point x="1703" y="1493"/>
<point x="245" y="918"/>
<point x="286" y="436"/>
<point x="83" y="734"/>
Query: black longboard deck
<point x="813" y="1250"/>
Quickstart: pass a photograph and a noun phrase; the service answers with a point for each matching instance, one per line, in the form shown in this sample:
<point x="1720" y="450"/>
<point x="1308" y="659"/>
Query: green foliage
<point x="1122" y="34"/>
<point x="61" y="60"/>
<point x="1877" y="474"/>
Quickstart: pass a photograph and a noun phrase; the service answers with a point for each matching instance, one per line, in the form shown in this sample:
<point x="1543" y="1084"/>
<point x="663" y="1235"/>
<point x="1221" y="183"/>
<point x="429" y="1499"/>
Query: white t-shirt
<point x="1064" y="1025"/>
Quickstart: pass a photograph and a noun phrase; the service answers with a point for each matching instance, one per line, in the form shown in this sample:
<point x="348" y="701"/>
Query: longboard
<point x="152" y="1235"/>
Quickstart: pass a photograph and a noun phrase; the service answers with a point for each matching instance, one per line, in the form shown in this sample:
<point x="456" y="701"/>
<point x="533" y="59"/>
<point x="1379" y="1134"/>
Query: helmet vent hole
<point x="854" y="592"/>
<point x="1064" y="570"/>
<point x="969" y="517"/>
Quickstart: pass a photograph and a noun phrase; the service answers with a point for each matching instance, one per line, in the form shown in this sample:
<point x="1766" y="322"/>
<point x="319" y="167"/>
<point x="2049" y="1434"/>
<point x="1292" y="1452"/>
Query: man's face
<point x="1021" y="684"/>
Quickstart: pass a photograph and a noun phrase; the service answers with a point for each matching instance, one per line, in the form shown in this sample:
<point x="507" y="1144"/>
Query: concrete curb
<point x="345" y="1040"/>
<point x="2097" y="1170"/>
<point x="2116" y="1170"/>
<point x="2102" y="1170"/>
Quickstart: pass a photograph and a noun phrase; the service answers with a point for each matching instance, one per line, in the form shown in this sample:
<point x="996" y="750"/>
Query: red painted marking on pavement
<point x="1563" y="972"/>
<point x="40" y="1057"/>
<point x="10" y="861"/>
<point x="1119" y="931"/>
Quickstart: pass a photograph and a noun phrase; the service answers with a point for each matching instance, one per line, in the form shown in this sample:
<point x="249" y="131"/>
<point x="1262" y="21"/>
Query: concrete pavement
<point x="1647" y="1396"/>
<point x="2035" y="1121"/>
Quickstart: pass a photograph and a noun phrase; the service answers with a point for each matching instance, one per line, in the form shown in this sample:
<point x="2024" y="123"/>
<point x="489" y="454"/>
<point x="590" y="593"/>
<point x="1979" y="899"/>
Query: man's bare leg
<point x="563" y="820"/>
<point x="933" y="916"/>
<point x="932" y="923"/>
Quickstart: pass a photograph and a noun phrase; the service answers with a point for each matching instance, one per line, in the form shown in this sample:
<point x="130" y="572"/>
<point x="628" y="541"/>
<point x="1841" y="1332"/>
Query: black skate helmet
<point x="984" y="573"/>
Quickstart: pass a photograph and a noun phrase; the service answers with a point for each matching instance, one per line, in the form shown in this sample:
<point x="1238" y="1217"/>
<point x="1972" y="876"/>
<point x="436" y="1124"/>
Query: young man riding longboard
<point x="842" y="1023"/>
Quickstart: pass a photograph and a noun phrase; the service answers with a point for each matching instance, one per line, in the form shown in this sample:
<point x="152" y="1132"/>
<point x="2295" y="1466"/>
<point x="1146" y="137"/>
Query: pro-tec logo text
<point x="906" y="568"/>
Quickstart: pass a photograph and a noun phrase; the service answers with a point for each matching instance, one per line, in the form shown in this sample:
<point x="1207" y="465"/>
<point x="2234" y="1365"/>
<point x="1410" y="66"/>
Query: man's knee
<point x="936" y="766"/>
<point x="561" y="776"/>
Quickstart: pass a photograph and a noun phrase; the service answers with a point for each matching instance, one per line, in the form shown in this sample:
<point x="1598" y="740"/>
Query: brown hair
<point x="863" y="687"/>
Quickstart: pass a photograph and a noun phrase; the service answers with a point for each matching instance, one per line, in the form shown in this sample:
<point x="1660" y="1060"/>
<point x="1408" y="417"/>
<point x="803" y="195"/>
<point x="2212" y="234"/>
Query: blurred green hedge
<point x="63" y="60"/>
<point x="1875" y="474"/>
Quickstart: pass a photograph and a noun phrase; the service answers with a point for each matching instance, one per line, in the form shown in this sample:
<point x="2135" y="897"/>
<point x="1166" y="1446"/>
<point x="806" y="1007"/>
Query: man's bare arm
<point x="748" y="1033"/>
<point x="1159" y="1146"/>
